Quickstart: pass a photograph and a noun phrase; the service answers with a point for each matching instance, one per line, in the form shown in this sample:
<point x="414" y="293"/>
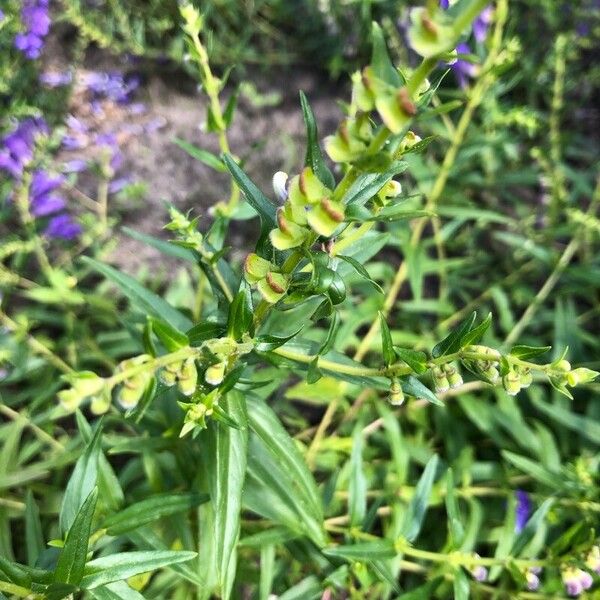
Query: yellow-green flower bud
<point x="512" y="383"/>
<point x="326" y="217"/>
<point x="87" y="383"/>
<point x="256" y="268"/>
<point x="396" y="397"/>
<point x="132" y="390"/>
<point x="490" y="372"/>
<point x="454" y="378"/>
<point x="563" y="365"/>
<point x="396" y="109"/>
<point x="101" y="402"/>
<point x="430" y="35"/>
<point x="273" y="287"/>
<point x="440" y="381"/>
<point x="69" y="399"/>
<point x="408" y="141"/>
<point x="188" y="377"/>
<point x="581" y="375"/>
<point x="350" y="141"/>
<point x="168" y="375"/>
<point x="288" y="234"/>
<point x="525" y="378"/>
<point x="215" y="373"/>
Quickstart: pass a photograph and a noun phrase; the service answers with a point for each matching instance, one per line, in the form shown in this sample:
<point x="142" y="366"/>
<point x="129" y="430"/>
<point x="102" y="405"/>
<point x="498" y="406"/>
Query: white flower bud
<point x="280" y="185"/>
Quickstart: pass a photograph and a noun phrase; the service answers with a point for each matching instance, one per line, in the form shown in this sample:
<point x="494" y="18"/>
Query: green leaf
<point x="314" y="156"/>
<point x="455" y="526"/>
<point x="413" y="387"/>
<point x="368" y="184"/>
<point x="267" y="571"/>
<point x="170" y="338"/>
<point x="34" y="539"/>
<point x="224" y="468"/>
<point x="71" y="562"/>
<point x="387" y="346"/>
<point x="261" y="204"/>
<point x="148" y="302"/>
<point x="453" y="342"/>
<point x="240" y="318"/>
<point x="166" y="248"/>
<point x="230" y="107"/>
<point x="267" y="342"/>
<point x="149" y="510"/>
<point x="361" y="271"/>
<point x="118" y="590"/>
<point x="474" y="336"/>
<point x="535" y="470"/>
<point x="283" y="450"/>
<point x="531" y="527"/>
<point x="380" y="59"/>
<point x="417" y="361"/>
<point x="123" y="565"/>
<point x="460" y="585"/>
<point x="81" y="482"/>
<point x="205" y="330"/>
<point x="357" y="486"/>
<point x="204" y="156"/>
<point x="417" y="508"/>
<point x="527" y="352"/>
<point x="379" y="549"/>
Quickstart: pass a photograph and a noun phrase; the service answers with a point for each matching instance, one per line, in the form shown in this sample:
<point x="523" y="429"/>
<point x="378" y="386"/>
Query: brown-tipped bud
<point x="282" y="221"/>
<point x="276" y="282"/>
<point x="405" y="103"/>
<point x="255" y="268"/>
<point x="343" y="131"/>
<point x="428" y="24"/>
<point x="334" y="211"/>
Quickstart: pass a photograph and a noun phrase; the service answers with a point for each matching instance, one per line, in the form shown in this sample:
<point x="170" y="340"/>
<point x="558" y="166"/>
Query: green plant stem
<point x="561" y="265"/>
<point x="35" y="345"/>
<point x="17" y="590"/>
<point x="13" y="415"/>
<point x="439" y="185"/>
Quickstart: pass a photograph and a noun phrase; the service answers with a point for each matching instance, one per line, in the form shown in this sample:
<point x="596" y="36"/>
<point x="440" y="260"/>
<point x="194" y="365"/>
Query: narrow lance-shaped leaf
<point x="357" y="488"/>
<point x="71" y="562"/>
<point x="387" y="346"/>
<point x="81" y="482"/>
<point x="380" y="59"/>
<point x="453" y="342"/>
<point x="417" y="508"/>
<point x="314" y="157"/>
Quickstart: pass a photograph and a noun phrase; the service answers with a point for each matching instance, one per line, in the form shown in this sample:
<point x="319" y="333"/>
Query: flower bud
<point x="525" y="378"/>
<point x="576" y="580"/>
<point x="512" y="383"/>
<point x="326" y="217"/>
<point x="581" y="375"/>
<point x="489" y="371"/>
<point x="289" y="234"/>
<point x="479" y="572"/>
<point x="255" y="268"/>
<point x="563" y="365"/>
<point x="396" y="397"/>
<point x="396" y="109"/>
<point x="280" y="185"/>
<point x="440" y="381"/>
<point x="408" y="141"/>
<point x="532" y="578"/>
<point x="168" y="375"/>
<point x="592" y="562"/>
<point x="87" y="383"/>
<point x="215" y="373"/>
<point x="69" y="399"/>
<point x="188" y="377"/>
<point x="429" y="35"/>
<point x="454" y="378"/>
<point x="273" y="287"/>
<point x="101" y="402"/>
<point x="132" y="390"/>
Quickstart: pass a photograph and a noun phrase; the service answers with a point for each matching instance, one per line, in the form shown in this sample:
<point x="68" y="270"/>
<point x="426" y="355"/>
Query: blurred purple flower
<point x="118" y="184"/>
<point x="74" y="124"/>
<point x="1" y="15"/>
<point x="137" y="108"/>
<point x="533" y="579"/>
<point x="17" y="146"/>
<point x="75" y="166"/>
<point x="113" y="86"/>
<point x="109" y="141"/>
<point x="54" y="79"/>
<point x="463" y="69"/>
<point x="445" y="4"/>
<point x="522" y="510"/>
<point x="42" y="198"/>
<point x="63" y="226"/>
<point x="72" y="142"/>
<point x="36" y="20"/>
<point x="576" y="581"/>
<point x="482" y="24"/>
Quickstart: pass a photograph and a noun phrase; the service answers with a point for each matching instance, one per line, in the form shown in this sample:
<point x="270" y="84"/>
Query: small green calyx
<point x="430" y="34"/>
<point x="273" y="287"/>
<point x="325" y="218"/>
<point x="256" y="268"/>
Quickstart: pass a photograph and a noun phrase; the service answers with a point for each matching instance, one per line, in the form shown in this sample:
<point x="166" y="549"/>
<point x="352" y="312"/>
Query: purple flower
<point x="533" y="579"/>
<point x="113" y="86"/>
<point x="576" y="581"/>
<point x="17" y="147"/>
<point x="36" y="20"/>
<point x="63" y="226"/>
<point x="482" y="24"/>
<point x="464" y="69"/>
<point x="445" y="4"/>
<point x="116" y="185"/>
<point x="43" y="200"/>
<point x="522" y="510"/>
<point x="55" y="79"/>
<point x="75" y="166"/>
<point x="1" y="16"/>
<point x="479" y="573"/>
<point x="74" y="124"/>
